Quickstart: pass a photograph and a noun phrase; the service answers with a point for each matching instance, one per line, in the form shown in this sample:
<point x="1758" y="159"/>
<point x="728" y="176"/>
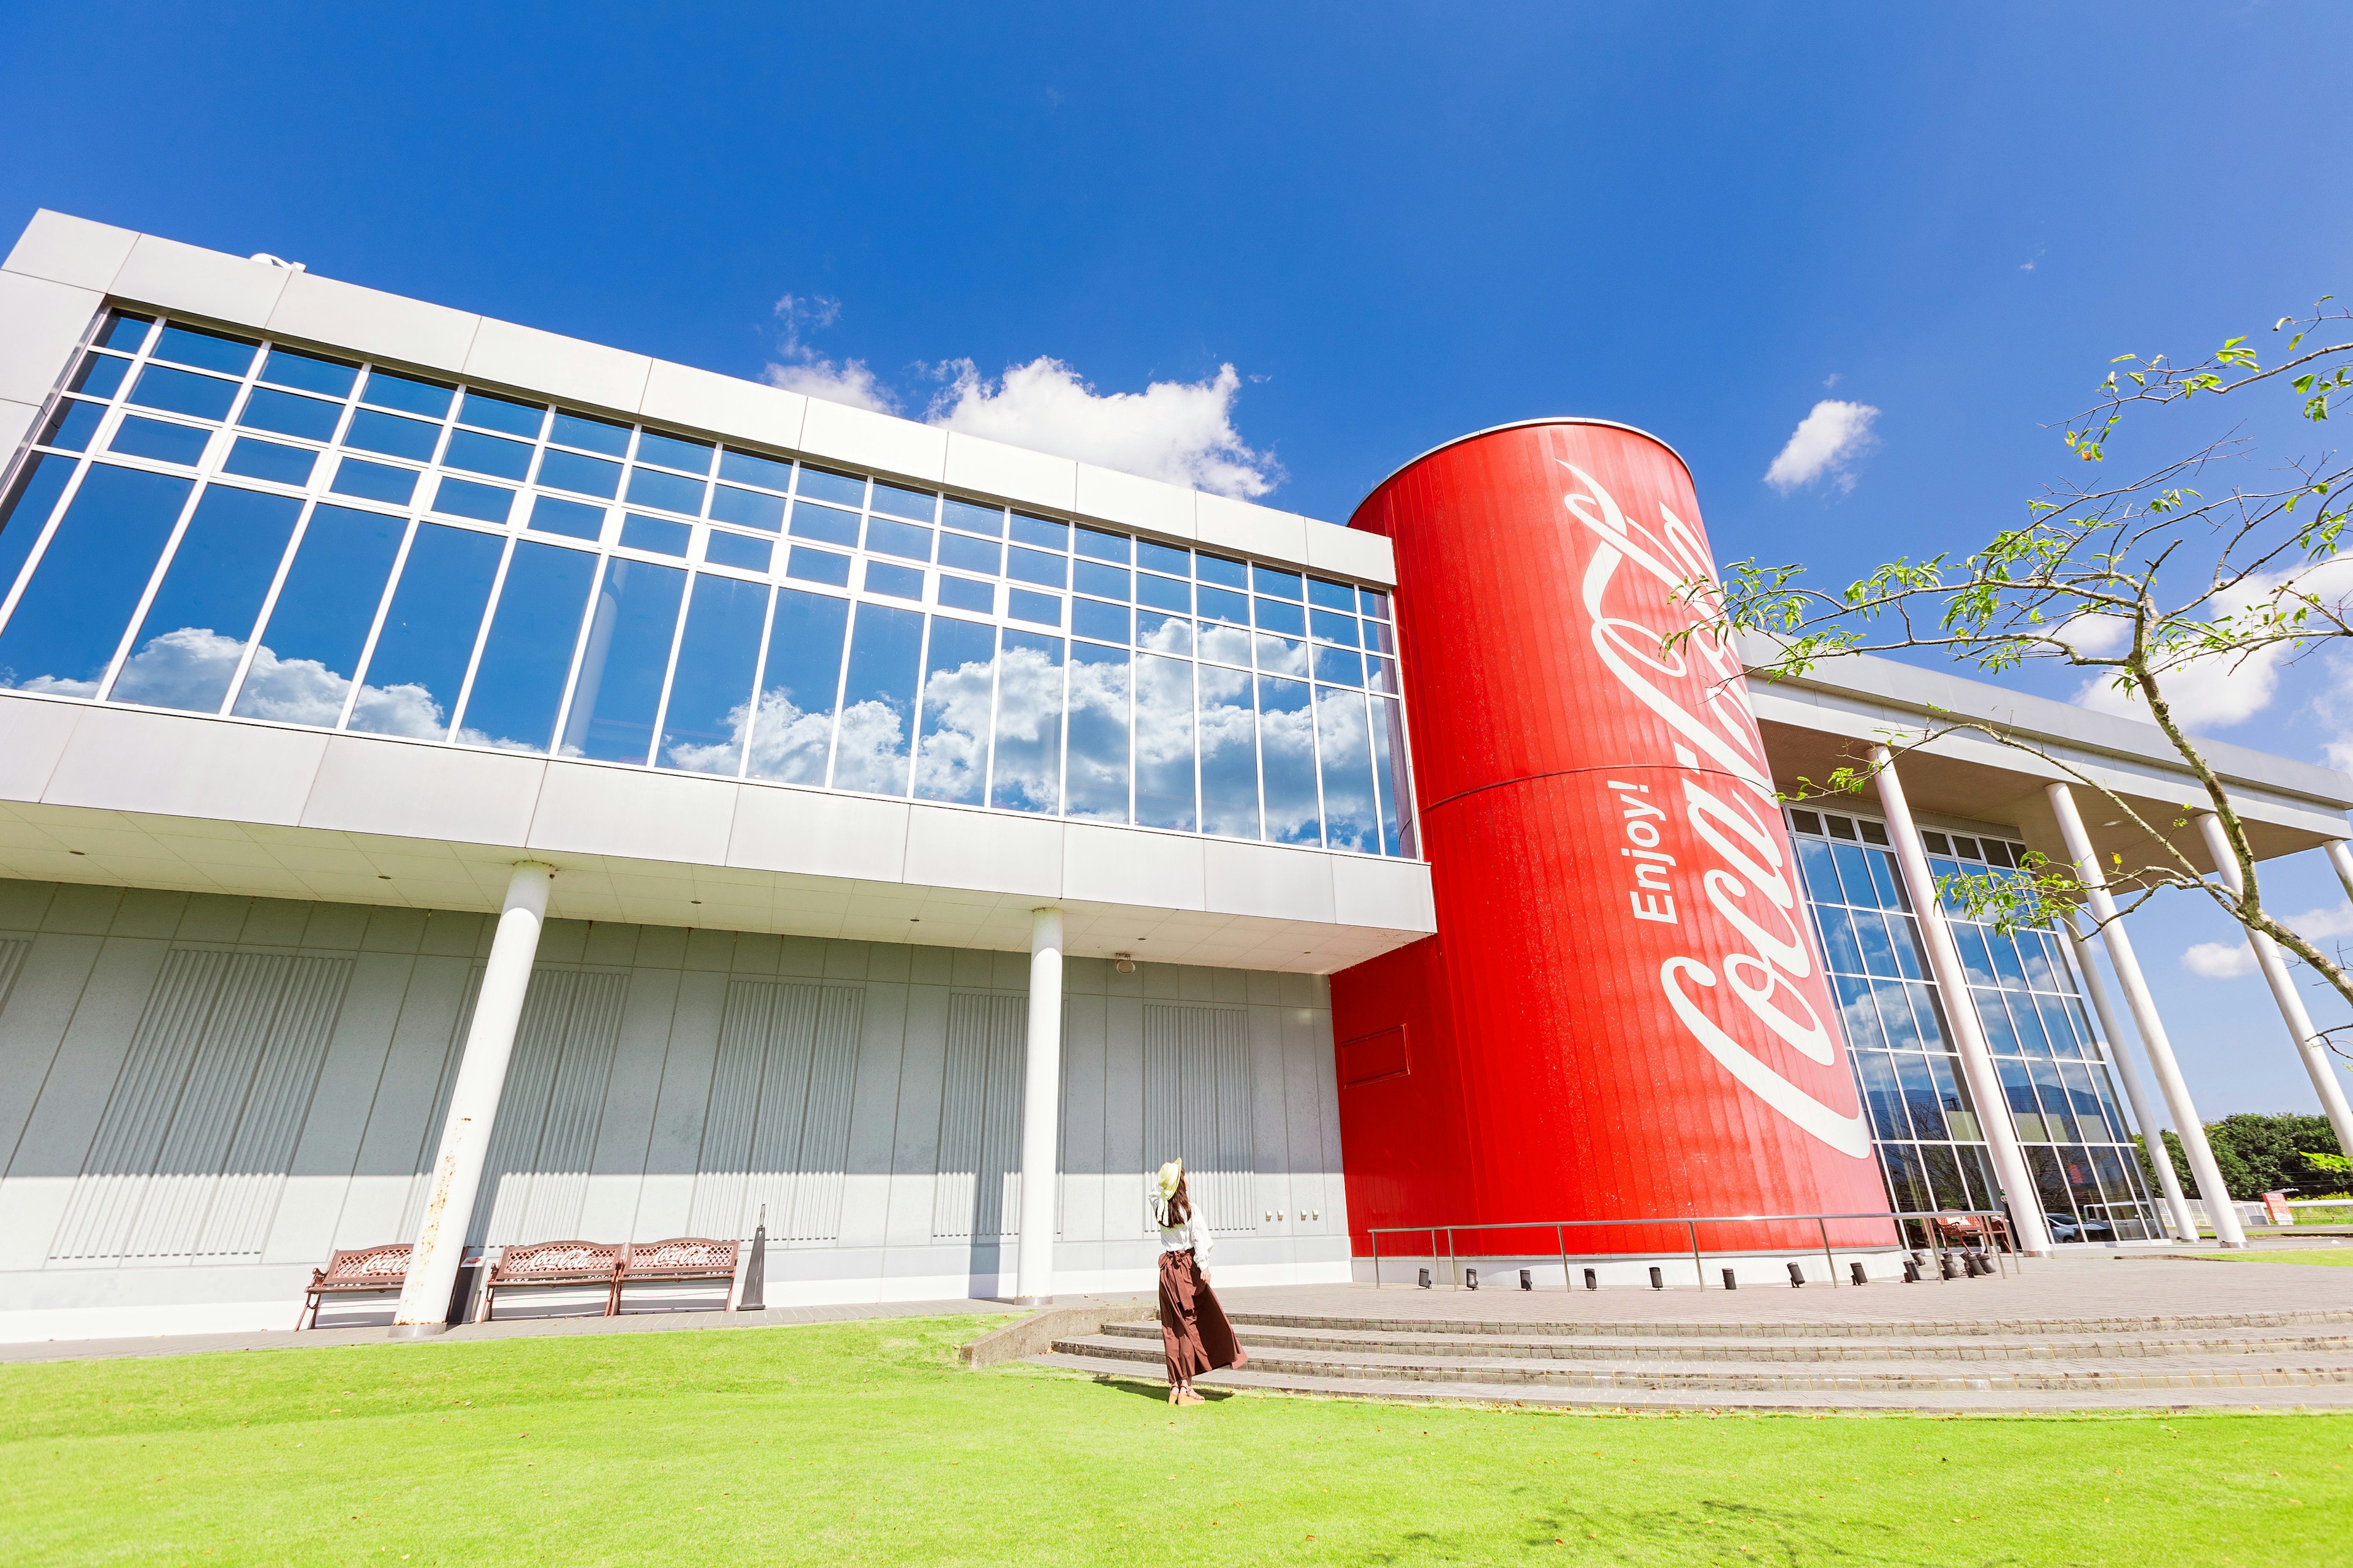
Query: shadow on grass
<point x="1158" y="1392"/>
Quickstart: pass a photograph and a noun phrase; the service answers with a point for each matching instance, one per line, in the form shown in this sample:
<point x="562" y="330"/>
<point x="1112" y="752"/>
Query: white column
<point x="1042" y="1110"/>
<point x="2153" y="1038"/>
<point x="2031" y="1233"/>
<point x="473" y="1104"/>
<point x="2340" y="856"/>
<point x="2152" y="1127"/>
<point x="2273" y="964"/>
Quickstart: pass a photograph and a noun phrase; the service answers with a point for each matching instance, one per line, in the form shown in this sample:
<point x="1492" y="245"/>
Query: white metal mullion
<point x="1258" y="746"/>
<point x="840" y="690"/>
<point x="481" y="641"/>
<point x="11" y="594"/>
<point x="759" y="678"/>
<point x="375" y="626"/>
<point x="996" y="682"/>
<point x="923" y="679"/>
<point x="1315" y="736"/>
<point x="579" y="651"/>
<point x="1062" y="756"/>
<point x="268" y="605"/>
<point x="669" y="667"/>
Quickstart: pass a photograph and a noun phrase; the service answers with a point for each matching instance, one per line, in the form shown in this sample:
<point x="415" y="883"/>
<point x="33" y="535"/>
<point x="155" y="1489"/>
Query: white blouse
<point x="1193" y="1235"/>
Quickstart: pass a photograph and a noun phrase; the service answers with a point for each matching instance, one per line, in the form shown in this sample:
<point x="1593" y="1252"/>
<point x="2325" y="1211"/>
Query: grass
<point x="2338" y="1259"/>
<point x="864" y="1442"/>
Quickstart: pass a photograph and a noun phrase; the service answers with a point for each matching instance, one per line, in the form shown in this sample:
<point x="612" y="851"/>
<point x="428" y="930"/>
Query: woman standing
<point x="1193" y="1327"/>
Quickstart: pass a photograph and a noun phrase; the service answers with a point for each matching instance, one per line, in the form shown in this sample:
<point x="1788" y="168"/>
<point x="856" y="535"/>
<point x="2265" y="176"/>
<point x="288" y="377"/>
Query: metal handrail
<point x="1691" y="1224"/>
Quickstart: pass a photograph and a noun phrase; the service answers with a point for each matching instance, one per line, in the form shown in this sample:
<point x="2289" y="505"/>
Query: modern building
<point x="463" y="786"/>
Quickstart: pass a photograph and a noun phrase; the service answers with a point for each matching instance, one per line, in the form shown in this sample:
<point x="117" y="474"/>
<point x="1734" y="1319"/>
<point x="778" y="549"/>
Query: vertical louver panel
<point x="191" y="1150"/>
<point x="979" y="1186"/>
<point x="535" y="1178"/>
<point x="1196" y="1106"/>
<point x="12" y="960"/>
<point x="777" y="1136"/>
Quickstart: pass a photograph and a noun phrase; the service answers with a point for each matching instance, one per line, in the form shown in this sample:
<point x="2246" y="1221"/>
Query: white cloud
<point x="800" y="368"/>
<point x="2228" y="960"/>
<point x="2215" y="693"/>
<point x="1182" y="432"/>
<point x="1824" y="444"/>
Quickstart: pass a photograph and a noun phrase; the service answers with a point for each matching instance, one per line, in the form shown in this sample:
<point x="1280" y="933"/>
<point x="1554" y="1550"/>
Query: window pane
<point x="967" y="594"/>
<point x="186" y="651"/>
<point x="1227" y="645"/>
<point x="393" y="435"/>
<point x="161" y="440"/>
<point x="1329" y="595"/>
<point x="573" y="521"/>
<point x="571" y="471"/>
<point x="205" y="350"/>
<point x="1266" y="579"/>
<point x="748" y="508"/>
<point x="878" y="700"/>
<point x="1286" y="743"/>
<point x="26" y="511"/>
<point x="1878" y="953"/>
<point x="751" y="468"/>
<point x="479" y="454"/>
<point x="1164" y="593"/>
<point x="1344" y="665"/>
<point x="1025" y="771"/>
<point x="819" y="566"/>
<point x="970" y="516"/>
<point x="619" y="694"/>
<point x="100" y="375"/>
<point x="311" y="419"/>
<point x="374" y="481"/>
<point x="259" y="459"/>
<point x="528" y="653"/>
<point x="1034" y="566"/>
<point x="1041" y="532"/>
<point x="710" y="712"/>
<point x="1178" y="562"/>
<point x="1105" y="623"/>
<point x="183" y="392"/>
<point x="902" y="539"/>
<point x="303" y="670"/>
<point x="849" y="489"/>
<point x="1274" y="615"/>
<point x="794" y="726"/>
<point x="464" y="498"/>
<point x="655" y="535"/>
<point x="812" y="521"/>
<point x="671" y="492"/>
<point x="1390" y="771"/>
<point x="1093" y="577"/>
<point x="1104" y="546"/>
<point x="964" y="555"/>
<point x="951" y="757"/>
<point x="672" y="452"/>
<point x="1098" y="769"/>
<point x="1335" y="628"/>
<point x="1350" y="820"/>
<point x="67" y="626"/>
<point x="1043" y="609"/>
<point x="1217" y="605"/>
<point x="309" y="372"/>
<point x="386" y="389"/>
<point x="1229" y="754"/>
<point x="595" y="435"/>
<point x="1158" y="633"/>
<point x="1882" y="1094"/>
<point x="918" y="505"/>
<point x="125" y="332"/>
<point x="1164" y="744"/>
<point x="1920" y="1096"/>
<point x="899" y="582"/>
<point x="419" y="664"/>
<point x="739" y="550"/>
<point x="1374" y="603"/>
<point x="493" y="413"/>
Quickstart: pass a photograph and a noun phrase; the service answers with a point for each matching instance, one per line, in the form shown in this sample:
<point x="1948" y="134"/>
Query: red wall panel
<point x="1626" y="1013"/>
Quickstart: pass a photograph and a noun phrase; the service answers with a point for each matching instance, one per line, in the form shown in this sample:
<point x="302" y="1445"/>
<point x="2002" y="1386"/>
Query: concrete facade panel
<point x="197" y="282"/>
<point x="1136" y="502"/>
<point x="1014" y="473"/>
<point x="533" y="361"/>
<point x="65" y="249"/>
<point x="636" y="816"/>
<point x="423" y="792"/>
<point x="383" y="326"/>
<point x="723" y="404"/>
<point x="42" y="324"/>
<point x="856" y="437"/>
<point x="121" y="760"/>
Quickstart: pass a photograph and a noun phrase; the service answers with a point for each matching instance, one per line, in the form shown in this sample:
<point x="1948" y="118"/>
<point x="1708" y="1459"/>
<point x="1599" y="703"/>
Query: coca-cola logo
<point x="1758" y="952"/>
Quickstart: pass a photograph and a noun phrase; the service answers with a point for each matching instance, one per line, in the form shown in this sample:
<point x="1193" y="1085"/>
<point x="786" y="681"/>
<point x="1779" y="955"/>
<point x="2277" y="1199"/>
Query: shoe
<point x="1193" y="1396"/>
<point x="1175" y="1394"/>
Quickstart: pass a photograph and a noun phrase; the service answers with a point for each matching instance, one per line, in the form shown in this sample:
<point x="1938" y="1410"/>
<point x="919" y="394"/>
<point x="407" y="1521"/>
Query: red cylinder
<point x="1623" y="1013"/>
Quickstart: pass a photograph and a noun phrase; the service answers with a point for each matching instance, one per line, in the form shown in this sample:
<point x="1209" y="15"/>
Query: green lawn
<point x="858" y="1444"/>
<point x="2339" y="1258"/>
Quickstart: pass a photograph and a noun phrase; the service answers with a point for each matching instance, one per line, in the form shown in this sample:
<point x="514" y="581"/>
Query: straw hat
<point x="1170" y="1175"/>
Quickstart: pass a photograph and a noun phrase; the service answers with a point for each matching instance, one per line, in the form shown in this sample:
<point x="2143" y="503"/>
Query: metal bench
<point x="382" y="1268"/>
<point x="549" y="1263"/>
<point x="679" y="1258"/>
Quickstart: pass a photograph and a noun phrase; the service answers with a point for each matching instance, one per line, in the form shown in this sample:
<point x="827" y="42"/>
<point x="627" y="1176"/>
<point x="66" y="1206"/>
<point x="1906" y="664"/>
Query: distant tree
<point x="2259" y="1154"/>
<point x="2140" y="585"/>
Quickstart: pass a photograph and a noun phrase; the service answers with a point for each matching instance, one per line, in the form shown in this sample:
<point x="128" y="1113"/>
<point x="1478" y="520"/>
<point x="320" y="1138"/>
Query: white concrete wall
<point x="82" y="989"/>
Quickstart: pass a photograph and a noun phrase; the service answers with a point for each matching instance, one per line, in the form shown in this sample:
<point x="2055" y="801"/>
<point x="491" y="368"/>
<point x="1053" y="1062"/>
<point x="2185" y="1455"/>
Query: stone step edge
<point x="1876" y="1328"/>
<point x="1638" y="1348"/>
<point x="1856" y="1402"/>
<point x="1984" y="1380"/>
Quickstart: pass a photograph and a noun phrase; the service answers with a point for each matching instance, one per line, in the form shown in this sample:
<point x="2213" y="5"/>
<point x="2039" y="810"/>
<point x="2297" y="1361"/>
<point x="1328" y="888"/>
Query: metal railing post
<point x="1560" y="1239"/>
<point x="1376" y="1259"/>
<point x="1828" y="1257"/>
<point x="1699" y="1269"/>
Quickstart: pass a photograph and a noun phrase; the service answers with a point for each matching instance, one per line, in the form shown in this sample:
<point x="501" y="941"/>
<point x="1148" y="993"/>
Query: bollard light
<point x="1911" y="1271"/>
<point x="1526" y="1283"/>
<point x="1857" y="1270"/>
<point x="1657" y="1283"/>
<point x="1469" y="1279"/>
<point x="1593" y="1280"/>
<point x="1425" y="1279"/>
<point x="1730" y="1283"/>
<point x="1797" y="1278"/>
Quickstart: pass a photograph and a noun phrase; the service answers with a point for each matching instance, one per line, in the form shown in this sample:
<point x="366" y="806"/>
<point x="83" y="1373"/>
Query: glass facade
<point x="2052" y="1067"/>
<point x="213" y="523"/>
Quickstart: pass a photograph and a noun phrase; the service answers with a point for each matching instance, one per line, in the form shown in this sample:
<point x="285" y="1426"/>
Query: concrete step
<point x="1612" y="1347"/>
<point x="1895" y="1328"/>
<point x="1984" y="1400"/>
<point x="1596" y="1373"/>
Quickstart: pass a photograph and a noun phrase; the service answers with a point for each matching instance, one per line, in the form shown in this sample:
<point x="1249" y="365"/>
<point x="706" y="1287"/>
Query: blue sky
<point x="1395" y="223"/>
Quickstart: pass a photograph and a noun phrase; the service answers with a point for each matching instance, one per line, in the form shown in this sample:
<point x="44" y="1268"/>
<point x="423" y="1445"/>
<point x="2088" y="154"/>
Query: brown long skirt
<point x="1193" y="1327"/>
